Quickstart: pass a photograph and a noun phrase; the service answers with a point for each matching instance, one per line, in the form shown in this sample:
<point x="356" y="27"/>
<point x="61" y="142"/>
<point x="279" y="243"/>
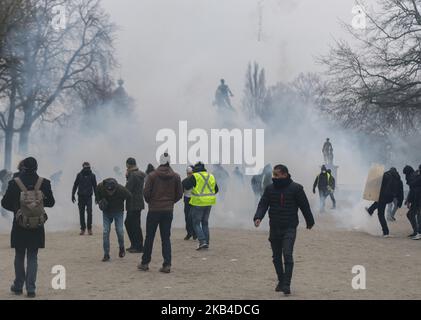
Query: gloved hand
<point x="73" y="199"/>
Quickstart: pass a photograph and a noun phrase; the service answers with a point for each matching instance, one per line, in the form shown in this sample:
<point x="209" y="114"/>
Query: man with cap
<point x="135" y="182"/>
<point x="283" y="198"/>
<point x="187" y="207"/>
<point x="162" y="190"/>
<point x="203" y="197"/>
<point x="85" y="184"/>
<point x="111" y="197"/>
<point x="26" y="241"/>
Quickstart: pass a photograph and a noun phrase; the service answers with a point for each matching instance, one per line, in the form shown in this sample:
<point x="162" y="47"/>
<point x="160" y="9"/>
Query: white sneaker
<point x="387" y="236"/>
<point x="417" y="237"/>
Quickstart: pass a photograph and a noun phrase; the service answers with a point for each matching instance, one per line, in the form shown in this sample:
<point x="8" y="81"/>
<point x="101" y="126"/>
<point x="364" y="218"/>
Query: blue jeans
<point x="30" y="276"/>
<point x="200" y="217"/>
<point x="108" y="219"/>
<point x="392" y="208"/>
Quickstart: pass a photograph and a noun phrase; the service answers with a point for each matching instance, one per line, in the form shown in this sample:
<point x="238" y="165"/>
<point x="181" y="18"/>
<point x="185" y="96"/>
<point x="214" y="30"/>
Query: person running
<point x="283" y="198"/>
<point x="162" y="190"/>
<point x="331" y="188"/>
<point x="27" y="237"/>
<point x="204" y="189"/>
<point x="85" y="185"/>
<point x="111" y="197"/>
<point x="391" y="187"/>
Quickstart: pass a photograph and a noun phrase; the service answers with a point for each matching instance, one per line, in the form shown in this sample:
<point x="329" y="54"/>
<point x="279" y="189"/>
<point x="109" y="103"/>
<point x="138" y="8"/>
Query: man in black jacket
<point x="26" y="241"/>
<point x="85" y="184"/>
<point x="413" y="201"/>
<point x="283" y="198"/>
<point x="391" y="188"/>
<point x="322" y="182"/>
<point x="135" y="183"/>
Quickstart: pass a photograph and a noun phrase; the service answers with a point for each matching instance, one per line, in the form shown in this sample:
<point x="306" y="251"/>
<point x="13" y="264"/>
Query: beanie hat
<point x="30" y="164"/>
<point x="165" y="159"/>
<point x="131" y="162"/>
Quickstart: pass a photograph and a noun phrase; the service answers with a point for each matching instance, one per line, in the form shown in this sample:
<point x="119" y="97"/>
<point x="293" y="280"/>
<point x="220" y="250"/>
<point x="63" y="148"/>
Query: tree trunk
<point x="24" y="139"/>
<point x="8" y="144"/>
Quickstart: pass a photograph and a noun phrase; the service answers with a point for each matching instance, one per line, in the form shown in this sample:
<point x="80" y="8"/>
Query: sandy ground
<point x="237" y="266"/>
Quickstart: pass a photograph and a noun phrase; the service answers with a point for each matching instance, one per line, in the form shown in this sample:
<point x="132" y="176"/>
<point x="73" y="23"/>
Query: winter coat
<point x="116" y="200"/>
<point x="163" y="189"/>
<point x="85" y="183"/>
<point x="414" y="196"/>
<point x="135" y="184"/>
<point x="283" y="203"/>
<point x="323" y="181"/>
<point x="392" y="187"/>
<point x="22" y="238"/>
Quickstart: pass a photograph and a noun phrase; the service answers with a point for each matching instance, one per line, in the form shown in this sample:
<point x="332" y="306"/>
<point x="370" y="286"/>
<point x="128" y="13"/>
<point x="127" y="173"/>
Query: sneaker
<point x="417" y="237"/>
<point x="286" y="290"/>
<point x="90" y="232"/>
<point x="387" y="236"/>
<point x="412" y="235"/>
<point x="134" y="250"/>
<point x="165" y="269"/>
<point x="368" y="211"/>
<point x="143" y="267"/>
<point x="31" y="295"/>
<point x="194" y="237"/>
<point x="82" y="232"/>
<point x="188" y="237"/>
<point x="122" y="253"/>
<point x="106" y="258"/>
<point x="202" y="246"/>
<point x="278" y="287"/>
<point x="16" y="291"/>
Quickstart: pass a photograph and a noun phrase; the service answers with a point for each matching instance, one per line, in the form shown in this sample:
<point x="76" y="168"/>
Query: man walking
<point x="135" y="182"/>
<point x="322" y="182"/>
<point x="162" y="190"/>
<point x="85" y="184"/>
<point x="111" y="197"/>
<point x="27" y="238"/>
<point x="203" y="197"/>
<point x="283" y="198"/>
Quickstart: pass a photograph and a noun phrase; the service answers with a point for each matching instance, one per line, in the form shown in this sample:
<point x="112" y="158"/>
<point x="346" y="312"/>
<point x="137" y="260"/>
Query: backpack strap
<point x="38" y="184"/>
<point x="21" y="185"/>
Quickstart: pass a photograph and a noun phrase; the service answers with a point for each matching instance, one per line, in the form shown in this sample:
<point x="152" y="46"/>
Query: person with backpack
<point x="135" y="183"/>
<point x="391" y="187"/>
<point x="26" y="196"/>
<point x="162" y="191"/>
<point x="322" y="182"/>
<point x="85" y="184"/>
<point x="111" y="197"/>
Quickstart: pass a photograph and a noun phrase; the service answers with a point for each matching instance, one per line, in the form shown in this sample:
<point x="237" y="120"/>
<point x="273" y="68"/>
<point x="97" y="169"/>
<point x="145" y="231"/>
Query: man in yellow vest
<point x="203" y="197"/>
<point x="323" y="183"/>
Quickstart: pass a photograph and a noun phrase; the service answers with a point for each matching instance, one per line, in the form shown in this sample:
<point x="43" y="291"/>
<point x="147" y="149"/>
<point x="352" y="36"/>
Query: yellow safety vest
<point x="203" y="194"/>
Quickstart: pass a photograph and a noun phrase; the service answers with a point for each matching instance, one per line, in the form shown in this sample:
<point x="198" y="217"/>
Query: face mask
<point x="280" y="182"/>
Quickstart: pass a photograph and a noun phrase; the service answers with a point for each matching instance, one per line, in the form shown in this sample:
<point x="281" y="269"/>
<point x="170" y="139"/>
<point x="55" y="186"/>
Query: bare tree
<point x="255" y="91"/>
<point x="375" y="84"/>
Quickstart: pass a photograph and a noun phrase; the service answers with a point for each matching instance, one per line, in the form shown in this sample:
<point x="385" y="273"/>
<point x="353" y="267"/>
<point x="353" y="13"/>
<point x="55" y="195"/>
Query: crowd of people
<point x="161" y="188"/>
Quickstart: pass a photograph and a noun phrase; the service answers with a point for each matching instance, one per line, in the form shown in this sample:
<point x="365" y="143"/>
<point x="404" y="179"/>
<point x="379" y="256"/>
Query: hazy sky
<point x="173" y="49"/>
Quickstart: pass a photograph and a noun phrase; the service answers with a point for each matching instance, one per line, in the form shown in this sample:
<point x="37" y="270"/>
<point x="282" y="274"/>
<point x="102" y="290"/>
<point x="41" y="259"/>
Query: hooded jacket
<point x="135" y="183"/>
<point x="392" y="187"/>
<point x="283" y="203"/>
<point x="85" y="183"/>
<point x="163" y="189"/>
<point x="115" y="200"/>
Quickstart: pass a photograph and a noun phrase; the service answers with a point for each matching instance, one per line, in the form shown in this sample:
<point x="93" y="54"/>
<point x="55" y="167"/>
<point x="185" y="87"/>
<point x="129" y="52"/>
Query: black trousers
<point x="414" y="217"/>
<point x="85" y="202"/>
<point x="134" y="229"/>
<point x="282" y="243"/>
<point x="163" y="219"/>
<point x="188" y="217"/>
<point x="381" y="208"/>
